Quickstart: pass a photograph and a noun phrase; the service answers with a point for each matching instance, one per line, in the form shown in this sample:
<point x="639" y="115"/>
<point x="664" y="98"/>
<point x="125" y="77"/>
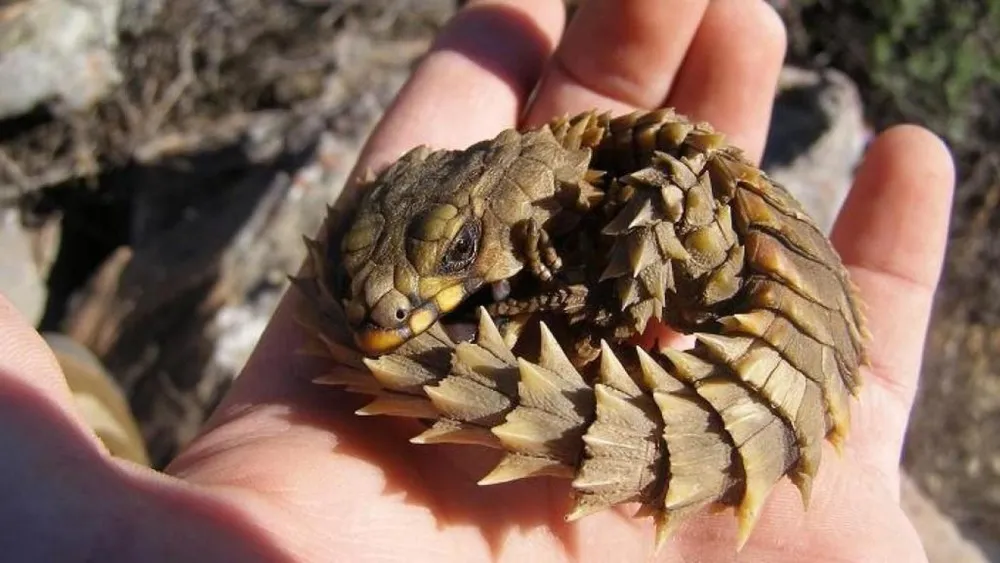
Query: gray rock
<point x="56" y="51"/>
<point x="138" y="16"/>
<point x="267" y="251"/>
<point x="25" y="260"/>
<point x="817" y="138"/>
<point x="943" y="542"/>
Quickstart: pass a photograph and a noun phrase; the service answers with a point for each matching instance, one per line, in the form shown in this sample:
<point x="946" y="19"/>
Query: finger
<point x="731" y="71"/>
<point x="892" y="234"/>
<point x="475" y="80"/>
<point x="617" y="56"/>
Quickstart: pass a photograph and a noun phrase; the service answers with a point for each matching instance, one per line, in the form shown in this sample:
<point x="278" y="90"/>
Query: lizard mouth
<point x="449" y="305"/>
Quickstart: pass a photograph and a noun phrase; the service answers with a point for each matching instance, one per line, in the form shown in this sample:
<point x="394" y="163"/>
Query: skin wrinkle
<point x="881" y="446"/>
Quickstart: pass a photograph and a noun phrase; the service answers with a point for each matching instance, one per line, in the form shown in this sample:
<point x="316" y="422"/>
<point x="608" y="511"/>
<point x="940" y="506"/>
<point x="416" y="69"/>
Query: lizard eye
<point x="463" y="249"/>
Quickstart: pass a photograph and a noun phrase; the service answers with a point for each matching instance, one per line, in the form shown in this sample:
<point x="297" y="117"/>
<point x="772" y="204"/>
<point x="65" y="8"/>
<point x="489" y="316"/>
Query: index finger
<point x="473" y="83"/>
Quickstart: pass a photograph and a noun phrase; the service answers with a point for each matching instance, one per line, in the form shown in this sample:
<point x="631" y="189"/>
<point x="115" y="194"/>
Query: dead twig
<point x="185" y="78"/>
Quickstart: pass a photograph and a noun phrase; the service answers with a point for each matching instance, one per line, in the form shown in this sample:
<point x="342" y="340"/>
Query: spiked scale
<point x="642" y="217"/>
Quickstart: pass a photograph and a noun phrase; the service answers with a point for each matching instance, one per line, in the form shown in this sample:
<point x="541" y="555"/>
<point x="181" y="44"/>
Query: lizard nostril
<point x="392" y="309"/>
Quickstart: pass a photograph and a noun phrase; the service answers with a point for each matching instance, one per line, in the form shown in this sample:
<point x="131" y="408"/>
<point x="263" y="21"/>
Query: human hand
<point x="284" y="471"/>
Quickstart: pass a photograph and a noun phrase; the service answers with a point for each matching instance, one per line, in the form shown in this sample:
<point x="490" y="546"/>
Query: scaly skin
<point x="586" y="229"/>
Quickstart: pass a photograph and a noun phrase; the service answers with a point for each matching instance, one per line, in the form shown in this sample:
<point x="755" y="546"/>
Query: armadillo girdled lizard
<point x="496" y="293"/>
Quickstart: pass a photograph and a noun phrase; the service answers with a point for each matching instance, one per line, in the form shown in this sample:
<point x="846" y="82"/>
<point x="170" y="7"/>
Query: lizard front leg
<point x="568" y="301"/>
<point x="538" y="251"/>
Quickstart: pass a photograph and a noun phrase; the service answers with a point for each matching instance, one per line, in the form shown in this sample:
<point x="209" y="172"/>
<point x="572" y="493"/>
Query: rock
<point x="25" y="261"/>
<point x="57" y="51"/>
<point x="185" y="65"/>
<point x="19" y="279"/>
<point x="275" y="249"/>
<point x="138" y="16"/>
<point x="817" y="138"/>
<point x="942" y="540"/>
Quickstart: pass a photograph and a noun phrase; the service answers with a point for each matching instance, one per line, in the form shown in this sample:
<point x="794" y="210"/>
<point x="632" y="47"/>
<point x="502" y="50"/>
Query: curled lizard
<point x="496" y="292"/>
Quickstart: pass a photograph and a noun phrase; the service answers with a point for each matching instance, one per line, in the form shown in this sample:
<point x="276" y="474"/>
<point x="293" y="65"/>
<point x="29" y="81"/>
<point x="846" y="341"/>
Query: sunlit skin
<point x="285" y="471"/>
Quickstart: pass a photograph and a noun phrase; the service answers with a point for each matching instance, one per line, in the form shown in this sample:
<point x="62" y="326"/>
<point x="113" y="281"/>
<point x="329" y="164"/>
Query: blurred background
<point x="159" y="160"/>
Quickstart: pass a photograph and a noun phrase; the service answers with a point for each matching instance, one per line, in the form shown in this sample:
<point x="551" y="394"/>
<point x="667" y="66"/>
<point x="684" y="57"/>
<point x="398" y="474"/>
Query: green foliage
<point x="936" y="62"/>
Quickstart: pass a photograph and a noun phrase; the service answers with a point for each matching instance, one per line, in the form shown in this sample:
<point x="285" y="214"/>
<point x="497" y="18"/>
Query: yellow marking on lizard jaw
<point x="450" y="298"/>
<point x="382" y="340"/>
<point x="378" y="341"/>
<point x="431" y="286"/>
<point x="421" y="320"/>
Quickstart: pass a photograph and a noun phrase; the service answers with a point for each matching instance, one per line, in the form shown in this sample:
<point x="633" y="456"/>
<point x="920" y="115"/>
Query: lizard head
<point x="437" y="227"/>
<point x="445" y="256"/>
<point x="426" y="237"/>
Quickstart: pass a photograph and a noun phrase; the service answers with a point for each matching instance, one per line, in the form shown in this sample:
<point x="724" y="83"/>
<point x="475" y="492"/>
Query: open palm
<point x="284" y="471"/>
